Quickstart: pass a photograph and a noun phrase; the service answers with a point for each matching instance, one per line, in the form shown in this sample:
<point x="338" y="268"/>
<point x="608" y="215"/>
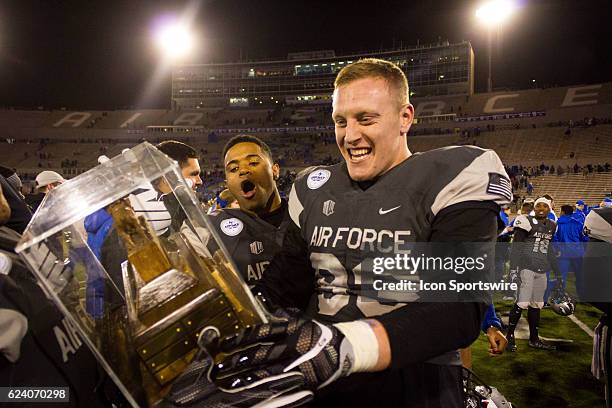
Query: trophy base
<point x="167" y="347"/>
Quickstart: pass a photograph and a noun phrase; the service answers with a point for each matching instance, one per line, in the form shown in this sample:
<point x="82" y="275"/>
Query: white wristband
<point x="363" y="340"/>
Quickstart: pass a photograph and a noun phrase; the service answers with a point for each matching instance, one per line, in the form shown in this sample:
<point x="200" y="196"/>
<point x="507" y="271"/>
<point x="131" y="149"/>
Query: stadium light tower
<point x="492" y="14"/>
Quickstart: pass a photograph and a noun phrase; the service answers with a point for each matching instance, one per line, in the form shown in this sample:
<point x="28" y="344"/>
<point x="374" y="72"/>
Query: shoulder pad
<point x="522" y="222"/>
<point x="306" y="182"/>
<point x="475" y="175"/>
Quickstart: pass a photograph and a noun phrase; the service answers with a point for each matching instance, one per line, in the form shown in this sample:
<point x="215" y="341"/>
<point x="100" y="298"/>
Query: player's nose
<point x="352" y="133"/>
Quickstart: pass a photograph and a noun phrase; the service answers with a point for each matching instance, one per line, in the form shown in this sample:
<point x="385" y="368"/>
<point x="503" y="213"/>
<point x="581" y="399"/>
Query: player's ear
<point x="275" y="171"/>
<point x="406" y="118"/>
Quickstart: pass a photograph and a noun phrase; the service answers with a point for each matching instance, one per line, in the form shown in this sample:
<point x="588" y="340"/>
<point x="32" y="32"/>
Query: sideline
<point x="583" y="326"/>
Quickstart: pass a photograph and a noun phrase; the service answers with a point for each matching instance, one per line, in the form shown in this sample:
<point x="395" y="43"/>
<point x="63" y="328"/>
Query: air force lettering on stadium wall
<point x="507" y="102"/>
<point x="383" y="241"/>
<point x="480" y="104"/>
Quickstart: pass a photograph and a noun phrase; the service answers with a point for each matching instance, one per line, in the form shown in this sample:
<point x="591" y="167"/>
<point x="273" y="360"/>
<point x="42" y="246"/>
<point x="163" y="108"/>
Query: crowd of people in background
<point x="521" y="176"/>
<point x="523" y="172"/>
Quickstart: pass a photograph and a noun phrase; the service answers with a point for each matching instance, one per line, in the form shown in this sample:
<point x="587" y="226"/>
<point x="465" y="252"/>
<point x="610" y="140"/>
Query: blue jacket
<point x="504" y="217"/>
<point x="490" y="319"/>
<point x="570" y="236"/>
<point x="97" y="226"/>
<point x="506" y="220"/>
<point x="579" y="215"/>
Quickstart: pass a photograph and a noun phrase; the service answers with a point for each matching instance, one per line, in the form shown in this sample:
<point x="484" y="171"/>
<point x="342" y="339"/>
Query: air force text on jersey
<point x="383" y="241"/>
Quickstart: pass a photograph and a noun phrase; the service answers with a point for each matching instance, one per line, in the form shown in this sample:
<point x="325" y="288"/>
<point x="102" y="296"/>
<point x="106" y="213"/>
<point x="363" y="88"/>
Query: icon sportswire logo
<point x="383" y="212"/>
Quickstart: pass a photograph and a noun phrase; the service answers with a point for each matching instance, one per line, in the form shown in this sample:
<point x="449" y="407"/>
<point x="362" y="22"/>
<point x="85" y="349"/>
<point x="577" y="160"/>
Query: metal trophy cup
<point x="139" y="296"/>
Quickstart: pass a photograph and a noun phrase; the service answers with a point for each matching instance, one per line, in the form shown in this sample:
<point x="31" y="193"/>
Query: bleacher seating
<point x="521" y="146"/>
<point x="533" y="146"/>
<point x="305" y="134"/>
<point x="568" y="188"/>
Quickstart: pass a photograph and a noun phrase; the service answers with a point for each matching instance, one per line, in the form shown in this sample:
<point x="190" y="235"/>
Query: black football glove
<point x="194" y="389"/>
<point x="278" y="351"/>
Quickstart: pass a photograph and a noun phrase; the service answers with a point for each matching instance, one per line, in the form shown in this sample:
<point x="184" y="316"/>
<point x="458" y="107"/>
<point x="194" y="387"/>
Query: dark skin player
<point x="541" y="211"/>
<point x="250" y="175"/>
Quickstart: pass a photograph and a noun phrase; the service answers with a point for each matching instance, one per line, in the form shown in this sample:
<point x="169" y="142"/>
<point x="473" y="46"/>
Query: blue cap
<point x="580" y="202"/>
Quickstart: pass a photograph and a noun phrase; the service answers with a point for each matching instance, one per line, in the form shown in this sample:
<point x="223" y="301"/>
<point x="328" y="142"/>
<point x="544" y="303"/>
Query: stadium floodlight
<point x="173" y="35"/>
<point x="174" y="40"/>
<point x="494" y="12"/>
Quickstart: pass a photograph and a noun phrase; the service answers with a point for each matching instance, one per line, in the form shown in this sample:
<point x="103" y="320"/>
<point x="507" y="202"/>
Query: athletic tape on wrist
<point x="365" y="344"/>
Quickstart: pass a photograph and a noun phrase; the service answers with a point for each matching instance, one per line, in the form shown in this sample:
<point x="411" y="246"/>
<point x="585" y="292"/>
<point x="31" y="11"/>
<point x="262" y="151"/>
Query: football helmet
<point x="479" y="395"/>
<point x="561" y="302"/>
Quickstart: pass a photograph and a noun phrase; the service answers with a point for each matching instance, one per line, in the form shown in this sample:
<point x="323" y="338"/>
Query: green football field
<point x="542" y="379"/>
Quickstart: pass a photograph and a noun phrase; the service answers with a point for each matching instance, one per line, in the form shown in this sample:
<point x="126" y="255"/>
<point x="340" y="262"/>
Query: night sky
<point x="99" y="54"/>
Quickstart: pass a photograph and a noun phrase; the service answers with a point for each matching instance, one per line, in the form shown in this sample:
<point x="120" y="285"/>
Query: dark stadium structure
<point x="308" y="77"/>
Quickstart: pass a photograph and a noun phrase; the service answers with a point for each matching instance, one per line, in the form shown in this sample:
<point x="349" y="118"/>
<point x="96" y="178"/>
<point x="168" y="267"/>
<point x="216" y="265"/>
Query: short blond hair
<point x="376" y="68"/>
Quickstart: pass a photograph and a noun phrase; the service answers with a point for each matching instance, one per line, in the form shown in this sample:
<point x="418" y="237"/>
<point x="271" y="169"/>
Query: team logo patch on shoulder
<point x="317" y="178"/>
<point x="499" y="185"/>
<point x="328" y="207"/>
<point x="232" y="226"/>
<point x="256" y="247"/>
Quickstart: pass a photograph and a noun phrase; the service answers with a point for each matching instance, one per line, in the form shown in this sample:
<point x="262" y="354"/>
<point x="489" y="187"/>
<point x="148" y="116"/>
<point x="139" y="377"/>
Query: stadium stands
<point x="566" y="189"/>
<point x="532" y="146"/>
<point x="527" y="128"/>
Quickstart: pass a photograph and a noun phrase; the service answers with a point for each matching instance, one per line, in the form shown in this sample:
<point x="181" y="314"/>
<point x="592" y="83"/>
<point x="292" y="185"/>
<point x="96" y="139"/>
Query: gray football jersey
<point x="346" y="226"/>
<point x="534" y="251"/>
<point x="250" y="241"/>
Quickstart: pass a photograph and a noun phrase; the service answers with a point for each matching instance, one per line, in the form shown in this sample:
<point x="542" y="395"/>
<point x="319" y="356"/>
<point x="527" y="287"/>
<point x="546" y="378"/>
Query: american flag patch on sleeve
<point x="499" y="185"/>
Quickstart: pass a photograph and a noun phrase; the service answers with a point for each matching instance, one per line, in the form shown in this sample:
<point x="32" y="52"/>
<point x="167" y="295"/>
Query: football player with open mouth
<point x="252" y="233"/>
